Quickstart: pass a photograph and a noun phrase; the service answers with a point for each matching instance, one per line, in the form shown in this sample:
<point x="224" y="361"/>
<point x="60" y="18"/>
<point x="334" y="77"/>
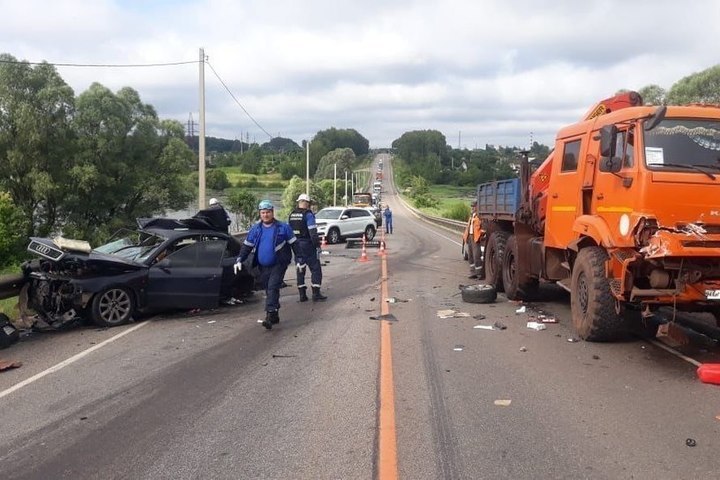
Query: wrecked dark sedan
<point x="166" y="264"/>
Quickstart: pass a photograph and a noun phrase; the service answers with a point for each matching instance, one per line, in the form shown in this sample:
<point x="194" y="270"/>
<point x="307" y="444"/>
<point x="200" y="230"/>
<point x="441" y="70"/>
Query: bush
<point x="217" y="180"/>
<point x="457" y="211"/>
<point x="13" y="228"/>
<point x="425" y="201"/>
<point x="250" y="182"/>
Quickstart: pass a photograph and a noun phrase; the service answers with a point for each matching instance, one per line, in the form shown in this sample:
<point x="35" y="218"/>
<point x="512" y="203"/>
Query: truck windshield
<point x="677" y="144"/>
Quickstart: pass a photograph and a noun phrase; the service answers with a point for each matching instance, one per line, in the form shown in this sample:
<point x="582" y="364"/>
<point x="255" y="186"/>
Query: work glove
<point x="300" y="267"/>
<point x="237" y="268"/>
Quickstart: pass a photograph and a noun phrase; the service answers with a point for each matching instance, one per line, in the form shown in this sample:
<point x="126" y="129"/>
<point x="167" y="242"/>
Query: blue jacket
<point x="283" y="242"/>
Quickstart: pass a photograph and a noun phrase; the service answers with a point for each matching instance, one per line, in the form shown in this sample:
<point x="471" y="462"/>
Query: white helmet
<point x="303" y="197"/>
<point x="214" y="201"/>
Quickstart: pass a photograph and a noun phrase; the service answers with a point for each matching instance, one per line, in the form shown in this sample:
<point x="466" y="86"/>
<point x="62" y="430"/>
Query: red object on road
<point x="709" y="373"/>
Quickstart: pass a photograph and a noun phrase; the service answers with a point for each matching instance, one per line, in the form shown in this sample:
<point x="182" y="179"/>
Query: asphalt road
<point x="216" y="396"/>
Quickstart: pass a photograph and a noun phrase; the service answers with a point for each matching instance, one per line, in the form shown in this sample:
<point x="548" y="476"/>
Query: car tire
<point x="333" y="236"/>
<point x="480" y="293"/>
<point x="112" y="307"/>
<point x="369" y="233"/>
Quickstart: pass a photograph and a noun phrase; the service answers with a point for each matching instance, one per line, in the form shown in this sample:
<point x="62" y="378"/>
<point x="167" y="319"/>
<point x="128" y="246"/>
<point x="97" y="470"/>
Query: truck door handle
<point x="555" y="195"/>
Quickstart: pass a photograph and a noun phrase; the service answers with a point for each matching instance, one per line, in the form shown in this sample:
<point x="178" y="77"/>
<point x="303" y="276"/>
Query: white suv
<point x="337" y="223"/>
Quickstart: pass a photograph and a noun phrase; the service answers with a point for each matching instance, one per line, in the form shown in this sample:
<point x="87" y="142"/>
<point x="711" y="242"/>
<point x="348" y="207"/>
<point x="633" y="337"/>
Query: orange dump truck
<point x="624" y="214"/>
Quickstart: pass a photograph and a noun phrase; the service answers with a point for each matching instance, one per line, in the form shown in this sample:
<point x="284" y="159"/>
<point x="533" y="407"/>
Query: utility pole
<point x="346" y="184"/>
<point x="334" y="184"/>
<point x="307" y="168"/>
<point x="201" y="143"/>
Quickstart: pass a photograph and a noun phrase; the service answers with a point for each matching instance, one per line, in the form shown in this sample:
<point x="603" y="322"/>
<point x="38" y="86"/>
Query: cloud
<point x="494" y="70"/>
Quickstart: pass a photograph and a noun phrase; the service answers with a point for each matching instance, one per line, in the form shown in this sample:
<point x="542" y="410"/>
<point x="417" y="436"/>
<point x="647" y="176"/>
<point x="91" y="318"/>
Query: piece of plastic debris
<point x="484" y="327"/>
<point x="325" y="252"/>
<point x="690" y="442"/>
<point x="8" y="364"/>
<point x="479" y="316"/>
<point x="536" y="326"/>
<point x="372" y="299"/>
<point x="573" y="339"/>
<point x="503" y="403"/>
<point x="458" y="348"/>
<point x="445" y="313"/>
<point x="709" y="373"/>
<point x="521" y="309"/>
<point x="391" y="300"/>
<point x="595" y="357"/>
<point x="546" y="319"/>
<point x="523" y="349"/>
<point x="388" y="316"/>
<point x="499" y="325"/>
<point x="212" y="321"/>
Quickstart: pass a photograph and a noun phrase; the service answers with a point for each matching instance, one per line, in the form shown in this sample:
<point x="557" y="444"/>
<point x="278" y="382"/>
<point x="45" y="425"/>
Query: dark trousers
<point x="310" y="257"/>
<point x="270" y="279"/>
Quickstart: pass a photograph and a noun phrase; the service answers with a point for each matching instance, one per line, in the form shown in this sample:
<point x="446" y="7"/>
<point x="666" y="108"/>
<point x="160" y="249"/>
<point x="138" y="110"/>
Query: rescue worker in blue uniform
<point x="302" y="222"/>
<point x="272" y="241"/>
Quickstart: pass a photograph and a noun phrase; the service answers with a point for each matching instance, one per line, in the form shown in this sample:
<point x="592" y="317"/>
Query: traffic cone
<point x="323" y="244"/>
<point x="381" y="252"/>
<point x="363" y="255"/>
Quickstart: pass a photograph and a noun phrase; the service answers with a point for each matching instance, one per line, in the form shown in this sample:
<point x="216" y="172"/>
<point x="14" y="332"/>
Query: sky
<point x="499" y="72"/>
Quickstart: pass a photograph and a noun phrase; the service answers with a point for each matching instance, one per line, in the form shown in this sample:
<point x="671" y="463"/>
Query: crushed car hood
<point x="49" y="250"/>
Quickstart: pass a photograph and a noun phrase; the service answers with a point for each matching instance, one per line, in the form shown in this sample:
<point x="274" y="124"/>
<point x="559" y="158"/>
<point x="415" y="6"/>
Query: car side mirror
<point x="344" y="217"/>
<point x="608" y="140"/>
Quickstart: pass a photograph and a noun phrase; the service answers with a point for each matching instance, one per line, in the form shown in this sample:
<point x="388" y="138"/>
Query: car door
<point x="346" y="224"/>
<point x="189" y="277"/>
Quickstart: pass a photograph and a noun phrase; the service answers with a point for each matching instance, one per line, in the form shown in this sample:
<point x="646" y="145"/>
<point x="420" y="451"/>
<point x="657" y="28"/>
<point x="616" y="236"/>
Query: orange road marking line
<point x="387" y="442"/>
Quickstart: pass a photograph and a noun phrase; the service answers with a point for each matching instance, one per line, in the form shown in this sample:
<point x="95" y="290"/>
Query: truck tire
<point x="480" y="293"/>
<point x="494" y="253"/>
<point x="513" y="289"/>
<point x="591" y="302"/>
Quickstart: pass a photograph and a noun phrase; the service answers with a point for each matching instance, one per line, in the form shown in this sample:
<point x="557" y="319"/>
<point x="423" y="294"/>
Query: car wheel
<point x="369" y="233"/>
<point x="480" y="293"/>
<point x="333" y="236"/>
<point x="112" y="307"/>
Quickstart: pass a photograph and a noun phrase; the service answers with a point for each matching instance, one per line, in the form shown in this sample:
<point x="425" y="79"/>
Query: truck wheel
<point x="511" y="282"/>
<point x="112" y="307"/>
<point x="333" y="236"/>
<point x="591" y="301"/>
<point x="478" y="293"/>
<point x="494" y="253"/>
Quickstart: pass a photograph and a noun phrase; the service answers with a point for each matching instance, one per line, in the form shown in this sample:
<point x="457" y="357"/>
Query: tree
<point x="12" y="230"/>
<point x="217" y="179"/>
<point x="244" y="205"/>
<point x="328" y="140"/>
<point x="295" y="187"/>
<point x="653" y="94"/>
<point x="36" y="141"/>
<point x="128" y="163"/>
<point x="701" y="87"/>
<point x="280" y="144"/>
<point x="344" y="158"/>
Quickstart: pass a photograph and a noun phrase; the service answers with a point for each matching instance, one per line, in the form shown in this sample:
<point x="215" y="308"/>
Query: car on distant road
<point x="339" y="223"/>
<point x="166" y="264"/>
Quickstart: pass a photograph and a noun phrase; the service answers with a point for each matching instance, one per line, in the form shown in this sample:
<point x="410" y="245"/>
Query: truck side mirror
<point x="608" y="140"/>
<point x="610" y="164"/>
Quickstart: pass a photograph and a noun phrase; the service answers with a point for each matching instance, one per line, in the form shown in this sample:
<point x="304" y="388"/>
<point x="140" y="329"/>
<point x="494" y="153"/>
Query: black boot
<point x="303" y="294"/>
<point x="317" y="296"/>
<point x="271" y="318"/>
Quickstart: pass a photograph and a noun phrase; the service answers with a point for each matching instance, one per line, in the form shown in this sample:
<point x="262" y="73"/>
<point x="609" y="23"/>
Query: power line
<point x="99" y="65"/>
<point x="238" y="102"/>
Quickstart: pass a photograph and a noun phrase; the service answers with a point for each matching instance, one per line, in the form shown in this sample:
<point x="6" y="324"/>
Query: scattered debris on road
<point x="8" y="364"/>
<point x="395" y="300"/>
<point x="503" y="403"/>
<point x="452" y="314"/>
<point x="690" y="442"/>
<point x="499" y="325"/>
<point x="387" y="316"/>
<point x="573" y="339"/>
<point x="484" y="327"/>
<point x="536" y="326"/>
<point x="709" y="373"/>
<point x="459" y="348"/>
<point x="523" y="349"/>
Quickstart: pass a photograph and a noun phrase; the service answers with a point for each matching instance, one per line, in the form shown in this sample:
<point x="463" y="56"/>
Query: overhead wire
<point x="237" y="101"/>
<point x="143" y="65"/>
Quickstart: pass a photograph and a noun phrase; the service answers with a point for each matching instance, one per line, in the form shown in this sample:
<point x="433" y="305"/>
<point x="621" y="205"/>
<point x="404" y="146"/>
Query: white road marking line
<point x="70" y="360"/>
